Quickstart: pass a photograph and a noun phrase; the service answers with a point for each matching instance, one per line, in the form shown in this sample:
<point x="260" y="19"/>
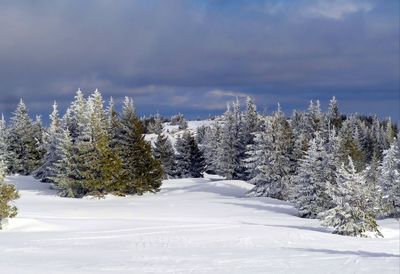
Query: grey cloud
<point x="173" y="53"/>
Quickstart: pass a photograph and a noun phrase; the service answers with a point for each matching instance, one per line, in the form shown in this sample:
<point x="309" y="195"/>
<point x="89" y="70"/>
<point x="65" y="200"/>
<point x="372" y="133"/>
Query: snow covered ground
<point x="191" y="226"/>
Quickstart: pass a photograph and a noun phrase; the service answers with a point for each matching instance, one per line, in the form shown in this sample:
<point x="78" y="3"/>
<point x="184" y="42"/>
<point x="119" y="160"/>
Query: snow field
<point x="191" y="226"/>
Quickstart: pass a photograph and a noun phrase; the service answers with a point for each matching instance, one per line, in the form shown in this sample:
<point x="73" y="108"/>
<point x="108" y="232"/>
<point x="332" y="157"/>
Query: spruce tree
<point x="314" y="117"/>
<point x="355" y="204"/>
<point x="317" y="170"/>
<point x="76" y="150"/>
<point x="23" y="142"/>
<point x="182" y="124"/>
<point x="334" y="116"/>
<point x="390" y="133"/>
<point x="143" y="172"/>
<point x="258" y="161"/>
<point x="389" y="180"/>
<point x="4" y="153"/>
<point x="52" y="145"/>
<point x="349" y="146"/>
<point x="8" y="193"/>
<point x="104" y="171"/>
<point x="77" y="117"/>
<point x="157" y="125"/>
<point x="164" y="152"/>
<point x="189" y="158"/>
<point x="277" y="165"/>
<point x="212" y="140"/>
<point x="231" y="150"/>
<point x="68" y="169"/>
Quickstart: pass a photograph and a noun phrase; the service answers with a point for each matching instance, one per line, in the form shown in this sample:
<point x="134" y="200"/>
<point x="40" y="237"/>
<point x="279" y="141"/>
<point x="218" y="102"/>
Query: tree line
<point x="342" y="169"/>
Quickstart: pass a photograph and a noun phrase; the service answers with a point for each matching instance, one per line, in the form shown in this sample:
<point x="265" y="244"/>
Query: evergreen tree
<point x="390" y="180"/>
<point x="349" y="146"/>
<point x="334" y="116"/>
<point x="255" y="153"/>
<point x="77" y="118"/>
<point x="314" y="117"/>
<point x="157" y="125"/>
<point x="164" y="152"/>
<point x="4" y="153"/>
<point x="143" y="172"/>
<point x="76" y="150"/>
<point x="231" y="151"/>
<point x="68" y="174"/>
<point x="189" y="158"/>
<point x="390" y="133"/>
<point x="103" y="172"/>
<point x="377" y="137"/>
<point x="201" y="132"/>
<point x="258" y="161"/>
<point x="251" y="125"/>
<point x="355" y="204"/>
<point x="251" y="121"/>
<point x="277" y="165"/>
<point x="316" y="171"/>
<point x="183" y="124"/>
<point x="8" y="193"/>
<point x="212" y="140"/>
<point x="23" y="142"/>
<point x="52" y="145"/>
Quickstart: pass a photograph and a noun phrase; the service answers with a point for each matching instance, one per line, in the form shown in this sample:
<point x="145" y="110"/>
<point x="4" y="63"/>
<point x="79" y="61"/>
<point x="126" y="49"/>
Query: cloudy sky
<point x="193" y="56"/>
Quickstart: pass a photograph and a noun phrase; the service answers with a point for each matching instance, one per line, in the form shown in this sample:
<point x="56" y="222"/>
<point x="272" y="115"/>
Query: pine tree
<point x="189" y="158"/>
<point x="77" y="117"/>
<point x="76" y="150"/>
<point x="52" y="145"/>
<point x="349" y="146"/>
<point x="4" y="153"/>
<point x="378" y="137"/>
<point x="231" y="151"/>
<point x="355" y="204"/>
<point x="164" y="152"/>
<point x="258" y="161"/>
<point x="389" y="180"/>
<point x="255" y="152"/>
<point x="251" y="127"/>
<point x="23" y="142"/>
<point x="317" y="170"/>
<point x="334" y="116"/>
<point x="277" y="165"/>
<point x="39" y="136"/>
<point x="3" y="171"/>
<point x="182" y="122"/>
<point x="314" y="117"/>
<point x="8" y="193"/>
<point x="143" y="172"/>
<point x="103" y="171"/>
<point x="157" y="125"/>
<point x="212" y="140"/>
<point x="251" y="121"/>
<point x="390" y="133"/>
<point x="68" y="176"/>
<point x="201" y="132"/>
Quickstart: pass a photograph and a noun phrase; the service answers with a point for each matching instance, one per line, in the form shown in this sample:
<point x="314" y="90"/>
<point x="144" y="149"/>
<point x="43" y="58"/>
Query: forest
<point x="343" y="169"/>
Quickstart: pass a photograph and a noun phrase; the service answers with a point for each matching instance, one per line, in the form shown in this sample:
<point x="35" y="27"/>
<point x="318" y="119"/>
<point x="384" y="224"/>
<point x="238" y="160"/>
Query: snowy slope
<point x="191" y="226"/>
<point x="173" y="131"/>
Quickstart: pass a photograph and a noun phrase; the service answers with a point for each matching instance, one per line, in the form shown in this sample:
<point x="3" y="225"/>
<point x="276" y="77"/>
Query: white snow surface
<point x="190" y="226"/>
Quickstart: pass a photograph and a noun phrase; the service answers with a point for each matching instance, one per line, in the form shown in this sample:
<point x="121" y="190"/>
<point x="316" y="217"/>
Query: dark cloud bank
<point x="193" y="56"/>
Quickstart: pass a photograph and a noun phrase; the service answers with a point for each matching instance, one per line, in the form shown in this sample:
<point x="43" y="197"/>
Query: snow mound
<point x="229" y="188"/>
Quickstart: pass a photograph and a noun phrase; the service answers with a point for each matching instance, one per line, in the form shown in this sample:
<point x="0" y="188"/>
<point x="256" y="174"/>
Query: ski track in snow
<point x="191" y="226"/>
